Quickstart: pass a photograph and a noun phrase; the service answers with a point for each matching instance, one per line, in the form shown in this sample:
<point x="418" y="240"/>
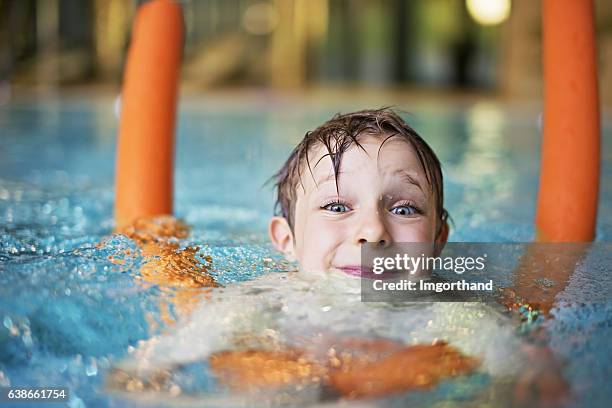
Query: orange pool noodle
<point x="569" y="175"/>
<point x="145" y="152"/>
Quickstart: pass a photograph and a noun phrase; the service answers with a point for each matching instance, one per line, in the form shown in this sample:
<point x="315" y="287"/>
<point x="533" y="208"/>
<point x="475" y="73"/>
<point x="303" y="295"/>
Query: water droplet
<point x="46" y="209"/>
<point x="4" y="380"/>
<point x="175" y="390"/>
<point x="27" y="340"/>
<point x="76" y="402"/>
<point x="8" y="322"/>
<point x="92" y="368"/>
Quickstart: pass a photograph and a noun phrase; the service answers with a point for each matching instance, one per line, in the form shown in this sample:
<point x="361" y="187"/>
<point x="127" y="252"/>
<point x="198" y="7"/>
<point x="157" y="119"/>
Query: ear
<point x="442" y="238"/>
<point x="281" y="236"/>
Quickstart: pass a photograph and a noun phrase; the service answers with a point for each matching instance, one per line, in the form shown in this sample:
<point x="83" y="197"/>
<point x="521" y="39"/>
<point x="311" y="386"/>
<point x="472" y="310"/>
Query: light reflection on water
<point x="69" y="313"/>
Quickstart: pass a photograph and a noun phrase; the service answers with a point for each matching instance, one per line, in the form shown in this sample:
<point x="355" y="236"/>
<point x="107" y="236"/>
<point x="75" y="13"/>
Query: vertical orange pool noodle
<point x="145" y="152"/>
<point x="569" y="177"/>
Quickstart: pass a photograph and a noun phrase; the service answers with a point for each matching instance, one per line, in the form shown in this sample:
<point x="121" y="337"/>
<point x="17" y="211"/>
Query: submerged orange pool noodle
<point x="145" y="155"/>
<point x="569" y="177"/>
<point x="399" y="369"/>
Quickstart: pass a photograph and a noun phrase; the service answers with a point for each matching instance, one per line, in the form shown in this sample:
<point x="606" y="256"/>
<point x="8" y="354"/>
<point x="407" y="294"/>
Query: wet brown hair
<point x="339" y="134"/>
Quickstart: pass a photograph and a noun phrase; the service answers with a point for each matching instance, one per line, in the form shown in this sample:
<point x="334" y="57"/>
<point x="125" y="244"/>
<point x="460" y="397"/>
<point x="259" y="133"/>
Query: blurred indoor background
<point x="483" y="46"/>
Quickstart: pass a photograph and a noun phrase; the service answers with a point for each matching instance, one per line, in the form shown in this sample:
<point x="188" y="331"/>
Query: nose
<point x="372" y="228"/>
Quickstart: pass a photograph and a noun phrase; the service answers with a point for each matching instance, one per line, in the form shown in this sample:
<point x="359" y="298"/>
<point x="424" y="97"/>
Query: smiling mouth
<point x="356" y="270"/>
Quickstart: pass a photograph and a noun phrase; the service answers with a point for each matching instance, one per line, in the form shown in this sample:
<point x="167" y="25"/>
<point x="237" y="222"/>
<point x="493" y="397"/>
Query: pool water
<point x="70" y="306"/>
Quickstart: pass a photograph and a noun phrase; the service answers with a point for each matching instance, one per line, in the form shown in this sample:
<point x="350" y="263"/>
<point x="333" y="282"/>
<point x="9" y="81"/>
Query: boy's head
<point x="360" y="177"/>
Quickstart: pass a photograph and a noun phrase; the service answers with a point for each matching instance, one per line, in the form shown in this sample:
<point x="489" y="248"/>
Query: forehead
<point x="395" y="156"/>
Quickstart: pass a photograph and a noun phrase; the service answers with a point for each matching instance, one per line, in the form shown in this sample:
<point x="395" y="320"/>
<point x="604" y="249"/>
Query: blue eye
<point x="404" y="210"/>
<point x="336" y="207"/>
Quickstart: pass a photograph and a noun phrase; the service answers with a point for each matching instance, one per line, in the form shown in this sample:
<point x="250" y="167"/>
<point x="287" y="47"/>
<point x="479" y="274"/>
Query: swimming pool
<point x="69" y="313"/>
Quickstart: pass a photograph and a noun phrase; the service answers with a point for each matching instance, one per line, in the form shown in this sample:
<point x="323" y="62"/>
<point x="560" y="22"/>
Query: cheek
<point x="422" y="231"/>
<point x="319" y="240"/>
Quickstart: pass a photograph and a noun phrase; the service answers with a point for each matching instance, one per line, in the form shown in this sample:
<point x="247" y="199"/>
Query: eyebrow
<point x="330" y="177"/>
<point x="405" y="176"/>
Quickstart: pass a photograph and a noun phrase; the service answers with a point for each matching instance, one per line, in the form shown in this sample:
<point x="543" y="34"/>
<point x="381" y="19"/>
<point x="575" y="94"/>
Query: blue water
<point x="68" y="314"/>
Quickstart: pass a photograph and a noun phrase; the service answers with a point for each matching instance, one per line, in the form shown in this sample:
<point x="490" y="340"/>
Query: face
<point x="382" y="197"/>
